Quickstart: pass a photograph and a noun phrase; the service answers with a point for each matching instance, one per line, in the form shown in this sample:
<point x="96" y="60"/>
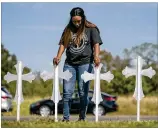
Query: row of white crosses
<point x="56" y="74"/>
<point x="29" y="77"/>
<point x="86" y="77"/>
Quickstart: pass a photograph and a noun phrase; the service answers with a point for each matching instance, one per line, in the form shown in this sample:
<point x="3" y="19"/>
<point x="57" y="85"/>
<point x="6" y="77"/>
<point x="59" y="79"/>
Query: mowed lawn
<point x="49" y="123"/>
<point x="127" y="106"/>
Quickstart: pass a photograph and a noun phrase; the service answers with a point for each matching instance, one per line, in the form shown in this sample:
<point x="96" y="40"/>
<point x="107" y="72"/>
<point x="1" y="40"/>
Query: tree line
<point x="118" y="86"/>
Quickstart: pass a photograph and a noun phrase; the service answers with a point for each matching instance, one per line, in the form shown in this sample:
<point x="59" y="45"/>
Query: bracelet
<point x="96" y="55"/>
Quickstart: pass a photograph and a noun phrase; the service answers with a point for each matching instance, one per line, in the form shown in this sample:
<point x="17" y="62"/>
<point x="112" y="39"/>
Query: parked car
<point x="46" y="107"/>
<point x="6" y="100"/>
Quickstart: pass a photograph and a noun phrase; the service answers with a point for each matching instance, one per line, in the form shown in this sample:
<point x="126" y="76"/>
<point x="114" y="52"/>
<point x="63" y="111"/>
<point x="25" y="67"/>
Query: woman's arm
<point x="61" y="50"/>
<point x="96" y="54"/>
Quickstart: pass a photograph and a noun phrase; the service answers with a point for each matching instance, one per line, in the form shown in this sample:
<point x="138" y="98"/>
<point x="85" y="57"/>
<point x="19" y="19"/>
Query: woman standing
<point x="82" y="41"/>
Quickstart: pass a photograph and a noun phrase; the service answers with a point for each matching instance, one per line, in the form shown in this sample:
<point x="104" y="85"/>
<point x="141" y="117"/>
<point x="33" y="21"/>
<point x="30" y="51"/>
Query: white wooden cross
<point x="138" y="72"/>
<point x="19" y="77"/>
<point x="97" y="98"/>
<point x="56" y="74"/>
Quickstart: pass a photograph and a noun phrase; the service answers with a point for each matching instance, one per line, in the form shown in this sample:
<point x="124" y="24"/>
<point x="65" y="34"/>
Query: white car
<point x="6" y="100"/>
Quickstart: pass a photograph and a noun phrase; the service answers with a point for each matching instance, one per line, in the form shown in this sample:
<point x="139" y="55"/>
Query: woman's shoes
<point x="64" y="120"/>
<point x="80" y="120"/>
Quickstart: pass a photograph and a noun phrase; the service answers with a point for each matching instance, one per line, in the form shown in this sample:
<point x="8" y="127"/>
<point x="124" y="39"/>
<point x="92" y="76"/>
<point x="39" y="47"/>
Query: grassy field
<point x="127" y="106"/>
<point x="48" y="123"/>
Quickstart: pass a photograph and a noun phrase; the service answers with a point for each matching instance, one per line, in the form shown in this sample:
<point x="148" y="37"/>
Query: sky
<point x="32" y="31"/>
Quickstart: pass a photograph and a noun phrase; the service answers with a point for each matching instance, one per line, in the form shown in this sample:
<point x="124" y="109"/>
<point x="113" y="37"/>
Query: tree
<point x="148" y="51"/>
<point x="7" y="65"/>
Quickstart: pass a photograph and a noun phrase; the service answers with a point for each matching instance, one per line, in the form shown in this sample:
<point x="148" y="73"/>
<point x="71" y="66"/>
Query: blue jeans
<point x="69" y="87"/>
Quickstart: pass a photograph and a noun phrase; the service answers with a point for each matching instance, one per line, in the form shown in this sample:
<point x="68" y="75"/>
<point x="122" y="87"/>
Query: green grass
<point x="49" y="123"/>
<point x="127" y="106"/>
